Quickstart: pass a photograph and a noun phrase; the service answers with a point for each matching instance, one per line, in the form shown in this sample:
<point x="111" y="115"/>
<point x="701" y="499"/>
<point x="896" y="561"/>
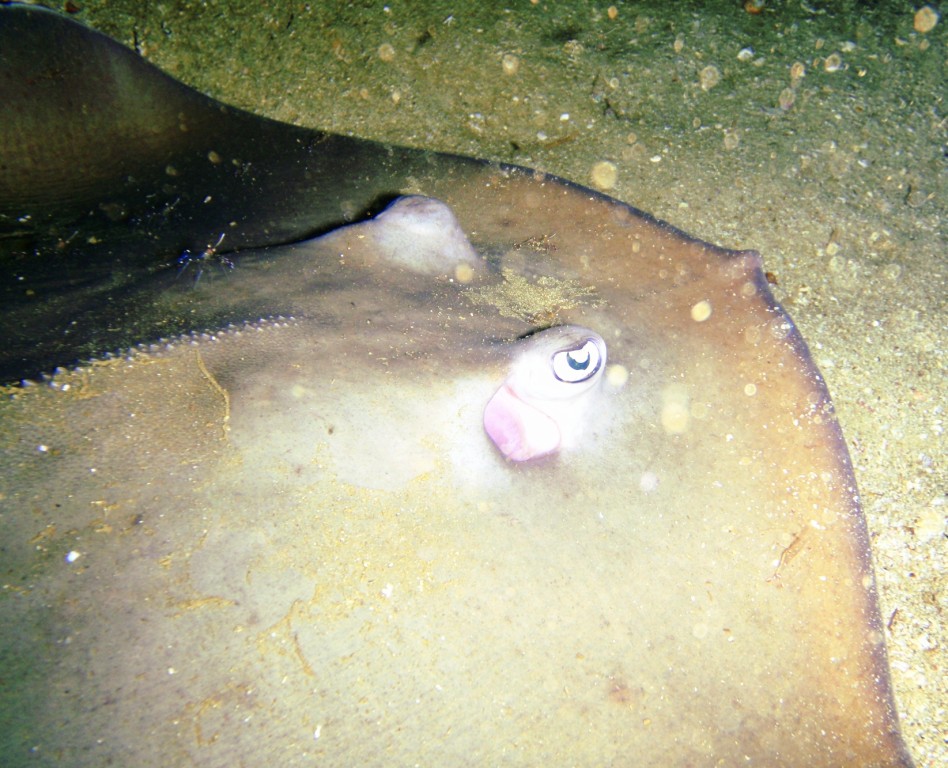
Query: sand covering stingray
<point x="292" y="539"/>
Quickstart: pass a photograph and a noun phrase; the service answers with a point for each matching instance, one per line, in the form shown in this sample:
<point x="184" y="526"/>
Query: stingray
<point x="485" y="468"/>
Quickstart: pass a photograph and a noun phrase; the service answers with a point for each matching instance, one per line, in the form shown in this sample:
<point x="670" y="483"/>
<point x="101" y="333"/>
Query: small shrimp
<point x="186" y="259"/>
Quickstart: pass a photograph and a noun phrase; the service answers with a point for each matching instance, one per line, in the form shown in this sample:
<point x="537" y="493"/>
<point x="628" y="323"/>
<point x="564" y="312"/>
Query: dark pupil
<point x="577" y="364"/>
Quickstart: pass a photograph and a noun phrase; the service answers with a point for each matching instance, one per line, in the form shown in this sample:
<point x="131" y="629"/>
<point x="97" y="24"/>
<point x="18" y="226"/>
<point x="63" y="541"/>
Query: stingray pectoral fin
<point x="519" y="430"/>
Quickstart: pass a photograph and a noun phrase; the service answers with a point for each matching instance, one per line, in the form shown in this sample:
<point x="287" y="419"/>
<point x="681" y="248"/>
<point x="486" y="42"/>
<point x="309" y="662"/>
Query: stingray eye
<point x="580" y="364"/>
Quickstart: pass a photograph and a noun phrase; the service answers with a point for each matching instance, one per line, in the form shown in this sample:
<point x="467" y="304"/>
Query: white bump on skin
<point x="423" y="235"/>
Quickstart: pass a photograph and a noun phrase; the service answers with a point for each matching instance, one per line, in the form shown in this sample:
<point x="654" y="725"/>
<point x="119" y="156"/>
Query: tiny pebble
<point x="510" y="63"/>
<point x="604" y="175"/>
<point x="926" y="18"/>
<point x="710" y="77"/>
<point x="833" y="63"/>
